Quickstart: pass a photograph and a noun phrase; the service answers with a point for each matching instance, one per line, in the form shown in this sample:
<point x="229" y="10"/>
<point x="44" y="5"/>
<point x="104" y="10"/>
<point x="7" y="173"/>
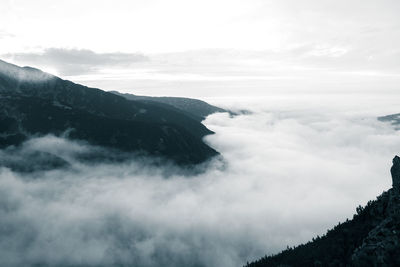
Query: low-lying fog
<point x="293" y="168"/>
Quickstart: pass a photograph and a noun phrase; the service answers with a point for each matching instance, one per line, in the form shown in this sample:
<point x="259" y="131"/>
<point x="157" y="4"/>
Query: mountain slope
<point x="394" y="119"/>
<point x="371" y="238"/>
<point x="194" y="108"/>
<point x="34" y="102"/>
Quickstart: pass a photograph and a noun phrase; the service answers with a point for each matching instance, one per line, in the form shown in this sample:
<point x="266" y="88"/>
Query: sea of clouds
<point x="291" y="168"/>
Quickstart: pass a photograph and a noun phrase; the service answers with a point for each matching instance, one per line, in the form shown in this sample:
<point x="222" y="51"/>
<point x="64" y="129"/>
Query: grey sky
<point x="138" y="46"/>
<point x="76" y="61"/>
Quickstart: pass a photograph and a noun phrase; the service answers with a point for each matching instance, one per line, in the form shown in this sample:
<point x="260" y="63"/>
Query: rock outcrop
<point x="395" y="171"/>
<point x="382" y="245"/>
<point x="371" y="238"/>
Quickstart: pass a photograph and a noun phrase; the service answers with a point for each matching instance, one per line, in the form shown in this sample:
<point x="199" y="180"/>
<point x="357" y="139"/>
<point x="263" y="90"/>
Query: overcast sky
<point x="166" y="47"/>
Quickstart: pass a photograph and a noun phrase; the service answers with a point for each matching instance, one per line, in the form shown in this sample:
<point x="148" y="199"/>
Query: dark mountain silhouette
<point x="371" y="238"/>
<point x="36" y="103"/>
<point x="197" y="109"/>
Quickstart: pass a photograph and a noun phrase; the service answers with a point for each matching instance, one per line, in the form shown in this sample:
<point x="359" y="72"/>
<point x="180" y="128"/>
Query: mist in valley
<point x="290" y="168"/>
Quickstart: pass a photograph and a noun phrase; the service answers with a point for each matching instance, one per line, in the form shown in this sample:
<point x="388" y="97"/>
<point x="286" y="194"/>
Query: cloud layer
<point x="178" y="25"/>
<point x="313" y="67"/>
<point x="261" y="46"/>
<point x="76" y="61"/>
<point x="293" y="168"/>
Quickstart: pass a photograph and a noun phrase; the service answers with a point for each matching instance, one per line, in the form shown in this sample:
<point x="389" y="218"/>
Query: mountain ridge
<point x="195" y="108"/>
<point x="35" y="102"/>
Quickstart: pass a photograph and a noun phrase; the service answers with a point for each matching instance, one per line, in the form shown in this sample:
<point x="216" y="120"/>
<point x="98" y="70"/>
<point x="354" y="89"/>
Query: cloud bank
<point x="293" y="168"/>
<point x="313" y="67"/>
<point x="76" y="61"/>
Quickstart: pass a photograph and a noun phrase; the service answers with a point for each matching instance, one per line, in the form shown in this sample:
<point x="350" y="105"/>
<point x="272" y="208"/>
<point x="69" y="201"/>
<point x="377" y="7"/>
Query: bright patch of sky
<point x="141" y="45"/>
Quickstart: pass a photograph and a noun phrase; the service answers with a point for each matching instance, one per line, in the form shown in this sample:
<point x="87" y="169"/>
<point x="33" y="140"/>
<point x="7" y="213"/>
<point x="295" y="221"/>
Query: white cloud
<point x="75" y="61"/>
<point x="294" y="168"/>
<point x="220" y="72"/>
<point x="212" y="47"/>
<point x="159" y="26"/>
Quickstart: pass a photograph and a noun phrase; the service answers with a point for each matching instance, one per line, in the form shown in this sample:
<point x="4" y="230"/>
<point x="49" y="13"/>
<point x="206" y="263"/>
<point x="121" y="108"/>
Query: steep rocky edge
<point x="371" y="238"/>
<point x="34" y="103"/>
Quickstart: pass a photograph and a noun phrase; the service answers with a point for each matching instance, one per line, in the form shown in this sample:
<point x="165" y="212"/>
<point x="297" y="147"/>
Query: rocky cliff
<point x="371" y="238"/>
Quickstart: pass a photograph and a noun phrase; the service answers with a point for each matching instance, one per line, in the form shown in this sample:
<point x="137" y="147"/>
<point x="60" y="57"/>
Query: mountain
<point x="371" y="238"/>
<point x="394" y="119"/>
<point x="36" y="103"/>
<point x="194" y="108"/>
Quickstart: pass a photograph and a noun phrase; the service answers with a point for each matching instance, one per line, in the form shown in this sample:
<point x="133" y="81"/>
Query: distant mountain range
<point x="194" y="108"/>
<point x="371" y="238"/>
<point x="394" y="119"/>
<point x="34" y="103"/>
